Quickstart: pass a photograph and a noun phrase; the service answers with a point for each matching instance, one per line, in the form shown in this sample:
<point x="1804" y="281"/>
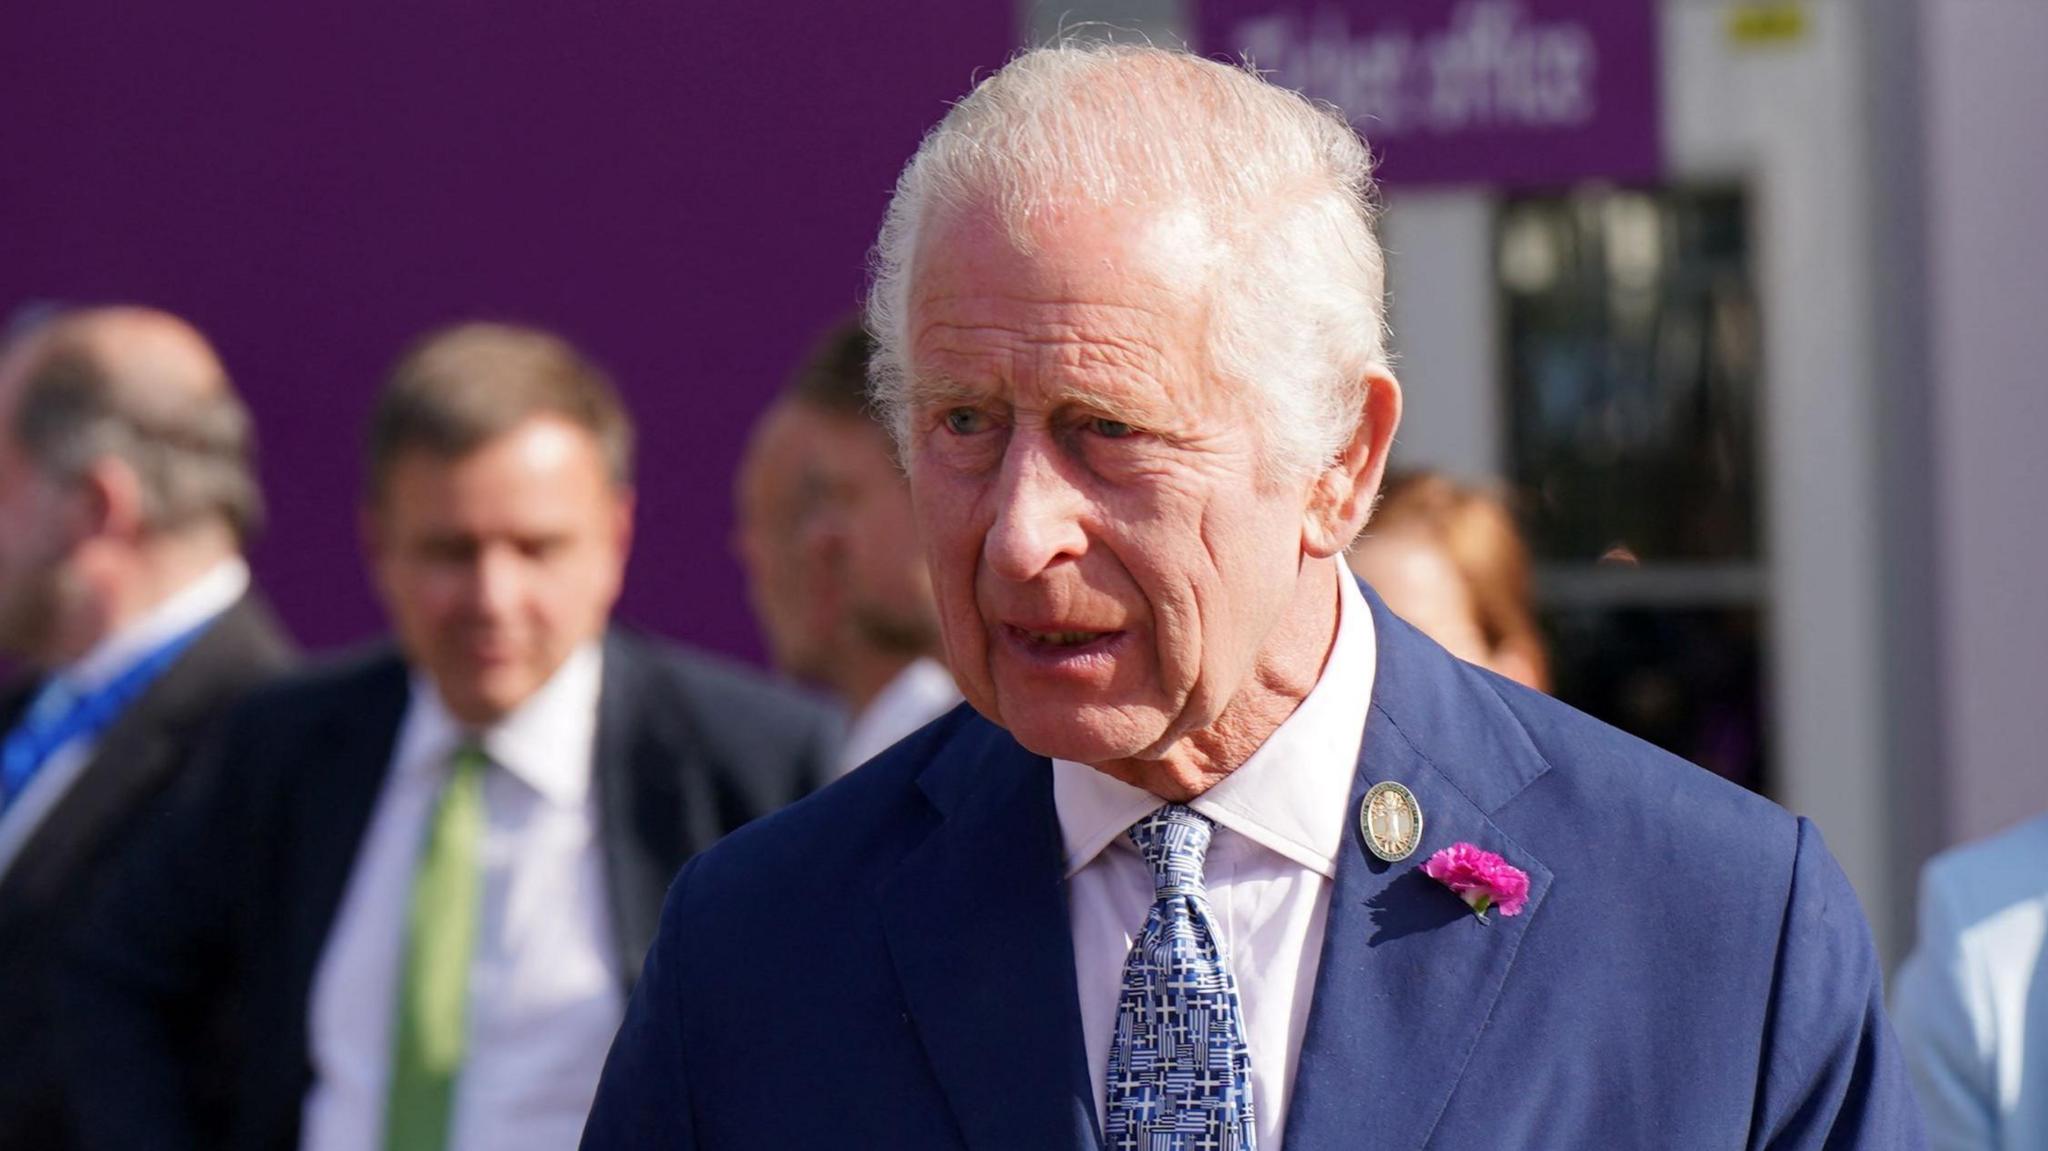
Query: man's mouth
<point x="488" y="650"/>
<point x="1062" y="638"/>
<point x="1063" y="645"/>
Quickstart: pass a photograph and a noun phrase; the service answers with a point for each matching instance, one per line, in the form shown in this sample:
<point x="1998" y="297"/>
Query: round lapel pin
<point x="1391" y="821"/>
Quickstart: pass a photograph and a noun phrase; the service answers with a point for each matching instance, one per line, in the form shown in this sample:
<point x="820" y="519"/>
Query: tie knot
<point x="469" y="759"/>
<point x="1173" y="841"/>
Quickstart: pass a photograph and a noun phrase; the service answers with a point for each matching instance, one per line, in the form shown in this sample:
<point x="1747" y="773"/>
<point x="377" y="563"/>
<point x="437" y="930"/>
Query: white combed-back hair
<point x="1282" y="188"/>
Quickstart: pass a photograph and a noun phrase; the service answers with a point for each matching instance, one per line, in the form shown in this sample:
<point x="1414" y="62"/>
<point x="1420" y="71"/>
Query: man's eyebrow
<point x="939" y="389"/>
<point x="1121" y="404"/>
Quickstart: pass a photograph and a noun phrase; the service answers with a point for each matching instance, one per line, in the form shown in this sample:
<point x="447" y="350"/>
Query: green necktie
<point x="440" y="936"/>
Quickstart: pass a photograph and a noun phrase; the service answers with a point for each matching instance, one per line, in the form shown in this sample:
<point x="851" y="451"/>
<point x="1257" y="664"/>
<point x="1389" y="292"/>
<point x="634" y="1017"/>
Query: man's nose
<point x="1037" y="514"/>
<point x="494" y="581"/>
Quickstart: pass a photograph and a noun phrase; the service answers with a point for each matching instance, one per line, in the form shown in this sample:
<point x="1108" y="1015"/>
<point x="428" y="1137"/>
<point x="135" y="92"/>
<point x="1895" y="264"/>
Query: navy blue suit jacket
<point x="889" y="964"/>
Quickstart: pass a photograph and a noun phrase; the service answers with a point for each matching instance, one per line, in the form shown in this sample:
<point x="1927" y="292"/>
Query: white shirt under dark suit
<point x="544" y="996"/>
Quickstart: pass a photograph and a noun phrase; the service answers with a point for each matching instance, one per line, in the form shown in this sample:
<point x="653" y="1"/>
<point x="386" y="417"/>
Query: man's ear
<point x="1342" y="499"/>
<point x="624" y="502"/>
<point x="110" y="503"/>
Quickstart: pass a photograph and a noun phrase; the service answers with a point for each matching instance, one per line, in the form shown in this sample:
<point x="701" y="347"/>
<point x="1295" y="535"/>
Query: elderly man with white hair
<point x="1222" y="855"/>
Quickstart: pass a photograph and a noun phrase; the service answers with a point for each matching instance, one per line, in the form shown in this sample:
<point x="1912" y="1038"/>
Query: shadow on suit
<point x="1411" y="904"/>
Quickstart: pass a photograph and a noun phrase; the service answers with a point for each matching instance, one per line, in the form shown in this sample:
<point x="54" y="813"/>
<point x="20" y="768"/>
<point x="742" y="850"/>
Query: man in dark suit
<point x="428" y="874"/>
<point x="126" y="495"/>
<point x="1224" y="855"/>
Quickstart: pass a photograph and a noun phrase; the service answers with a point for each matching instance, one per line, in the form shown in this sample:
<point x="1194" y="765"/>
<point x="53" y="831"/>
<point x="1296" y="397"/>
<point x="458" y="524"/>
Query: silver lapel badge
<point x="1391" y="821"/>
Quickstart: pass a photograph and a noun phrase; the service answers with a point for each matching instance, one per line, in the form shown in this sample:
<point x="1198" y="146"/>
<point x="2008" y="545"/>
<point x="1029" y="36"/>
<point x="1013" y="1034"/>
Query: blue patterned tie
<point x="1180" y="1077"/>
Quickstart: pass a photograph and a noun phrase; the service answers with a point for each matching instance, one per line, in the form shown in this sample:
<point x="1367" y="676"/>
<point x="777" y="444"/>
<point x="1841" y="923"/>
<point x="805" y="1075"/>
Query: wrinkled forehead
<point x="1136" y="278"/>
<point x="1109" y="251"/>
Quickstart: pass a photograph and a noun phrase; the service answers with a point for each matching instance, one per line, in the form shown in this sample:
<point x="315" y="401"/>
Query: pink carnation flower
<point x="1480" y="878"/>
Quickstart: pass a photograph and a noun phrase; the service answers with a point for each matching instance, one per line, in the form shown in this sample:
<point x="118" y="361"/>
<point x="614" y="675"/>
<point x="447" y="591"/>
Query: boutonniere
<point x="1480" y="878"/>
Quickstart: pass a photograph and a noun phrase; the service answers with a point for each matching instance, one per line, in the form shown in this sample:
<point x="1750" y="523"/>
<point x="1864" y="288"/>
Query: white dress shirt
<point x="544" y="995"/>
<point x="1970" y="1005"/>
<point x="920" y="693"/>
<point x="193" y="605"/>
<point x="1280" y="821"/>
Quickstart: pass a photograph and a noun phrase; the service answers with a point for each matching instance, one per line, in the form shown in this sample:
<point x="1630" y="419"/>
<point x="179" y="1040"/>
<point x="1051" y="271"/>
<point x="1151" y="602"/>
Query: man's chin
<point x="1086" y="736"/>
<point x="487" y="698"/>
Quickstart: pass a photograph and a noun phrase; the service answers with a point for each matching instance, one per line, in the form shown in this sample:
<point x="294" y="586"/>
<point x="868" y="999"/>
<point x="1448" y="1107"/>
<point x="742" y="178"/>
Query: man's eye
<point x="965" y="421"/>
<point x="1111" y="429"/>
<point x="448" y="550"/>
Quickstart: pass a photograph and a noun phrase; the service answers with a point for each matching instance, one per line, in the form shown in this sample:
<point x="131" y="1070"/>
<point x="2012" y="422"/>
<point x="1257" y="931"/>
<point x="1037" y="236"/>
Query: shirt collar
<point x="185" y="609"/>
<point x="922" y="691"/>
<point x="1289" y="797"/>
<point x="548" y="742"/>
<point x="922" y="685"/>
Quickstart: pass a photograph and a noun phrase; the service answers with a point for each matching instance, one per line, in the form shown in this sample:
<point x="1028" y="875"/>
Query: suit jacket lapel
<point x="132" y="758"/>
<point x="976" y="919"/>
<point x="1408" y="975"/>
<point x="137" y="752"/>
<point x="334" y="806"/>
<point x="639" y="803"/>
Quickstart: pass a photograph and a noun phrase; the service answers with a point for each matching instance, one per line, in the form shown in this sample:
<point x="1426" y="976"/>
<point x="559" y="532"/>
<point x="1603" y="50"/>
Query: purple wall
<point x="688" y="192"/>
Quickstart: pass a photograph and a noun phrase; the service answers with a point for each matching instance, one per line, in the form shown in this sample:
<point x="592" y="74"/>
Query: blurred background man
<point x="793" y="595"/>
<point x="430" y="872"/>
<point x="835" y="570"/>
<point x="1447" y="558"/>
<point x="126" y="497"/>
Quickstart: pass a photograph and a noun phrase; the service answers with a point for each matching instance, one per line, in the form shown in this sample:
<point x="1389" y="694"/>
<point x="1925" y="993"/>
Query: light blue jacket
<point x="1971" y="1003"/>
